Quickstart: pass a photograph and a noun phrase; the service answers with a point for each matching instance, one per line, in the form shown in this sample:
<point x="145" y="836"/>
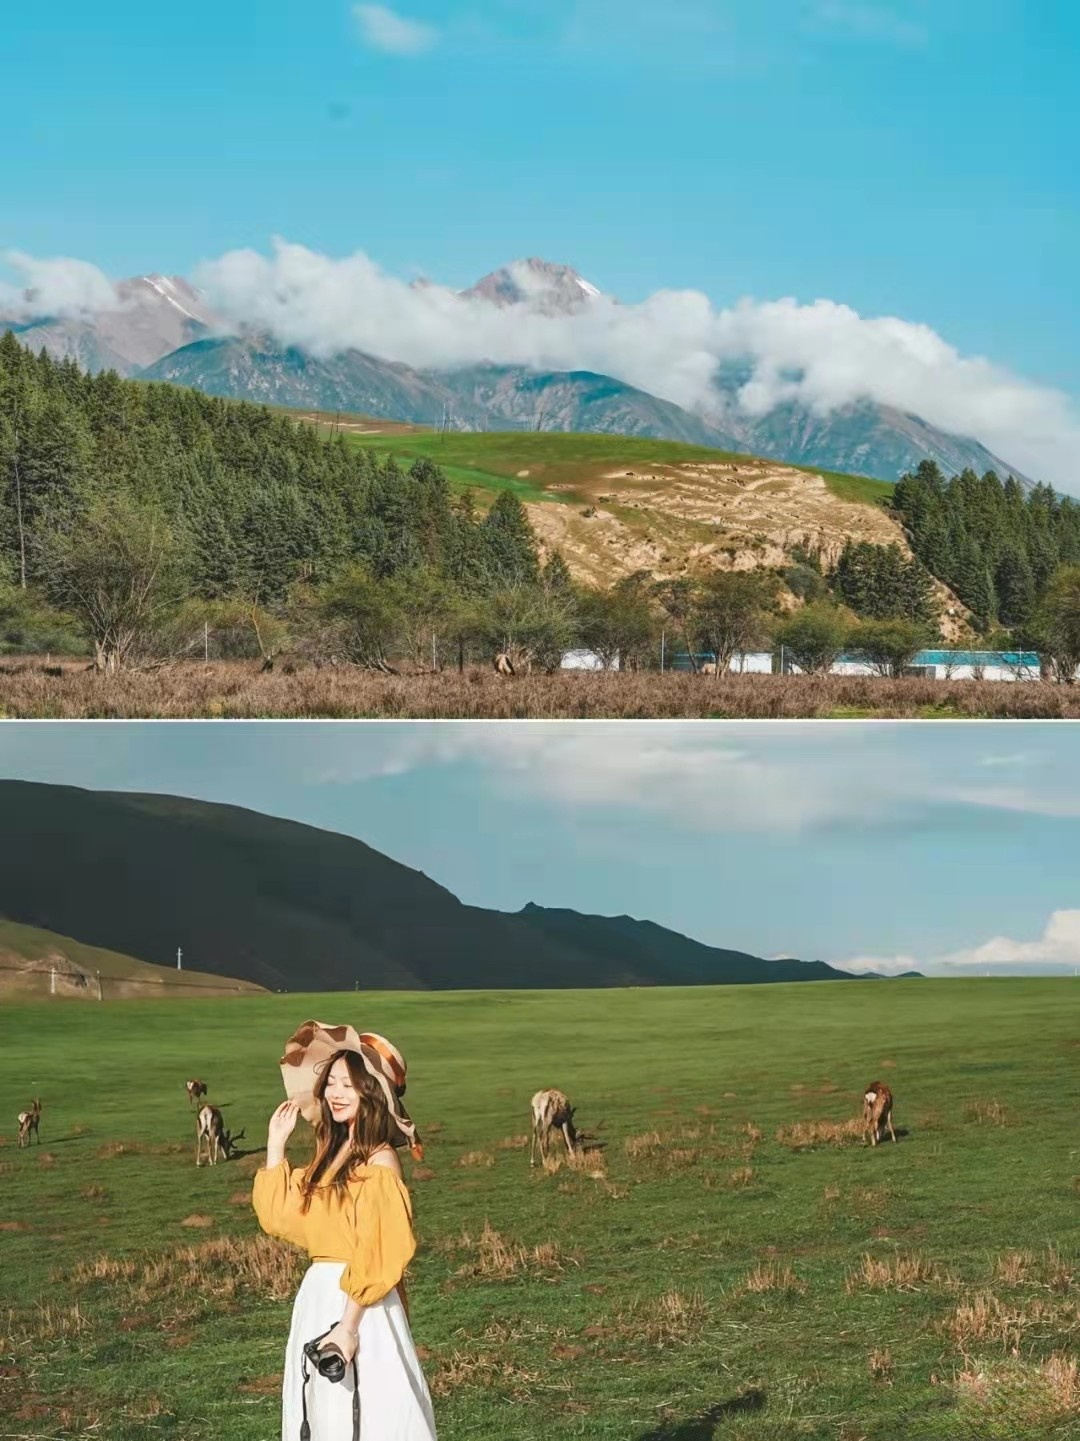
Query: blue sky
<point x="903" y="157"/>
<point x="948" y="847"/>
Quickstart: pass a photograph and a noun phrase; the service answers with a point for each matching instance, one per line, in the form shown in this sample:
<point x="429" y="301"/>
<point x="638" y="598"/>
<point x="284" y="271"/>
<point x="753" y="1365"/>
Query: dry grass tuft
<point x="94" y="1193"/>
<point x="803" y="1135"/>
<point x="870" y="1200"/>
<point x="880" y="1366"/>
<point x="215" y="1270"/>
<point x="899" y="1273"/>
<point x="113" y="1150"/>
<point x="987" y="1320"/>
<point x="672" y="1319"/>
<point x="590" y="1163"/>
<point x="512" y="1143"/>
<point x="774" y="1278"/>
<point x="43" y="1322"/>
<point x="645" y="1146"/>
<point x="422" y="1173"/>
<point x="494" y="1257"/>
<point x="1021" y="1393"/>
<point x="481" y="1368"/>
<point x="742" y="1177"/>
<point x="1013" y="1268"/>
<point x="482" y="1159"/>
<point x="1056" y="1272"/>
<point x="988" y="1113"/>
<point x="198" y="1221"/>
<point x="754" y="1134"/>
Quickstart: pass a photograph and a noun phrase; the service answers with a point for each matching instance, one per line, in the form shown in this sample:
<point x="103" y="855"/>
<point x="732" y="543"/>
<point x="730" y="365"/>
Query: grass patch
<point x="707" y="1276"/>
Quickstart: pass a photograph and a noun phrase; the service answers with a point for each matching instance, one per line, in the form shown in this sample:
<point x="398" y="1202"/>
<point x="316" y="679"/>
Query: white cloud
<point x="784" y="780"/>
<point x="883" y="965"/>
<point x="383" y="29"/>
<point x="58" y="287"/>
<point x="823" y="354"/>
<point x="1059" y="945"/>
<point x="671" y="768"/>
<point x="1055" y="952"/>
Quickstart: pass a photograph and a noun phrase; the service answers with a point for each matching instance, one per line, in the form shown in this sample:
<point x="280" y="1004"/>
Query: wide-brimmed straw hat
<point x="307" y="1055"/>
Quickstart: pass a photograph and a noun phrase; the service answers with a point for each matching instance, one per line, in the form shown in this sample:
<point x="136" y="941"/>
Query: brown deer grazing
<point x="877" y="1111"/>
<point x="551" y="1111"/>
<point x="195" y="1090"/>
<point x="503" y="664"/>
<point x="211" y="1128"/>
<point x="29" y="1122"/>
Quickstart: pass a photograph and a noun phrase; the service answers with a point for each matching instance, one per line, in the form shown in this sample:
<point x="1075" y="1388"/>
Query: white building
<point x="586" y="660"/>
<point x="751" y="662"/>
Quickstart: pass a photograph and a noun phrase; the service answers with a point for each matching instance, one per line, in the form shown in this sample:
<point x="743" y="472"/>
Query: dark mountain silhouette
<point x="292" y="907"/>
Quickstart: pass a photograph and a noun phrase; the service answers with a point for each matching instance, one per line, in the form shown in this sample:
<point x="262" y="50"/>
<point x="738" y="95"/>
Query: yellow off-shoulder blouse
<point x="370" y="1228"/>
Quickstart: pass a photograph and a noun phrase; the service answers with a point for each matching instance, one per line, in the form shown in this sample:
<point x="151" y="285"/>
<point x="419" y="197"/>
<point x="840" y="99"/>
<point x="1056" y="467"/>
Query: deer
<point x="551" y="1111"/>
<point x="211" y="1128"/>
<point x="194" y="1089"/>
<point x="877" y="1111"/>
<point x="29" y="1122"/>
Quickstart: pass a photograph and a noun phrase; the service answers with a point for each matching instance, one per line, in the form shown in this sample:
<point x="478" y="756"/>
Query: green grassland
<point x="728" y="1262"/>
<point x="565" y="466"/>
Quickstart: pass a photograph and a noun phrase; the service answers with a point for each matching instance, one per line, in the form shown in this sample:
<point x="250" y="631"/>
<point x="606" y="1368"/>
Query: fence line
<point x="88" y="978"/>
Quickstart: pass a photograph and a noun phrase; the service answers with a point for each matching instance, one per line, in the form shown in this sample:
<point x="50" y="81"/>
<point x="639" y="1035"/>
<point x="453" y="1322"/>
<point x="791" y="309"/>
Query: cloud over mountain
<point x="60" y="287"/>
<point x="821" y="355"/>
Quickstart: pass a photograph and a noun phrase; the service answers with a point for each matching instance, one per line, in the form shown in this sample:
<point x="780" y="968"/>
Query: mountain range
<point x="163" y="329"/>
<point x="292" y="907"/>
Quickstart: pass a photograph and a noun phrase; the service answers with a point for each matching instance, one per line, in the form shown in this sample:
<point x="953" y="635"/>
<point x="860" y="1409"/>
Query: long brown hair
<point x="342" y="1146"/>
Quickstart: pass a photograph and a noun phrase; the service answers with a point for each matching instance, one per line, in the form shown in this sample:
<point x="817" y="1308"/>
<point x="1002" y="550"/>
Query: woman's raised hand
<point x="282" y="1125"/>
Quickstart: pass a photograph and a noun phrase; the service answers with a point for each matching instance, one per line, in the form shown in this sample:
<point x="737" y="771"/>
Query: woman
<point x="350" y="1210"/>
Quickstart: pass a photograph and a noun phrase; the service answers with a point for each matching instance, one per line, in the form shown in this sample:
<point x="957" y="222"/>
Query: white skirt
<point x="395" y="1404"/>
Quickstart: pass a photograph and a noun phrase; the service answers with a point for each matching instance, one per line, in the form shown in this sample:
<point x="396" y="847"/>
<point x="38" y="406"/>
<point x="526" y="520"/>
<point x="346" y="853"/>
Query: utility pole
<point x="206" y="642"/>
<point x="179" y="959"/>
<point x="99" y="994"/>
<point x="663" y="641"/>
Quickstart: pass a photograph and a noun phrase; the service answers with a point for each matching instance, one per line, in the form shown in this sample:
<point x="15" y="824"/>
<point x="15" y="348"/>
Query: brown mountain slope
<point x="673" y="519"/>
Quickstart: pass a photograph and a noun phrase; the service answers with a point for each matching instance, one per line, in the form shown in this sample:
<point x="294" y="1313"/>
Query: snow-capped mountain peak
<point x="540" y="285"/>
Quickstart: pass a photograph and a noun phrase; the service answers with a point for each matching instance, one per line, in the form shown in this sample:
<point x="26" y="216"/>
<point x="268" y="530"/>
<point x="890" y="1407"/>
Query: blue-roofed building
<point x="955" y="665"/>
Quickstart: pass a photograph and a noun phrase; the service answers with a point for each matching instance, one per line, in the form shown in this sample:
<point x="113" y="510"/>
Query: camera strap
<point x="305" y="1424"/>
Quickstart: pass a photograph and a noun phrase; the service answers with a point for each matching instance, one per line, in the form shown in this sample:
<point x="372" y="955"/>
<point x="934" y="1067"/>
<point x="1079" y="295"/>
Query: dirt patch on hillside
<point x="678" y="519"/>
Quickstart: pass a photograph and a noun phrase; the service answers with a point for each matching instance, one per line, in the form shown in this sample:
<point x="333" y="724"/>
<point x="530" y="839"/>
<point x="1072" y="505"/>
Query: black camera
<point x="329" y="1363"/>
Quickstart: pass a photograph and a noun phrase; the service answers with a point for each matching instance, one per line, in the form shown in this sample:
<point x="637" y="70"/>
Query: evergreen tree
<point x="508" y="545"/>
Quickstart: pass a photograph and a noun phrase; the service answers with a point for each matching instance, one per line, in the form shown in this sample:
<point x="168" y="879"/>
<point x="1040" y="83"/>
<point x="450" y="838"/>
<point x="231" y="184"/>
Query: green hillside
<point x="37" y="961"/>
<point x="561" y="466"/>
<point x="731" y="1266"/>
<point x="289" y="906"/>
